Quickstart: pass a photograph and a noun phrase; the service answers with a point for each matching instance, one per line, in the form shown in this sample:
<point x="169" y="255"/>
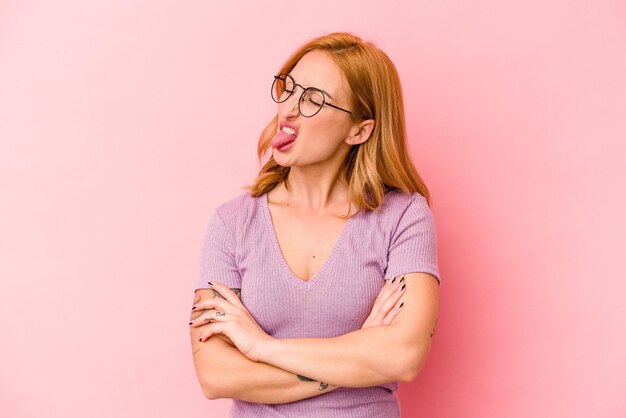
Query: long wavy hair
<point x="381" y="163"/>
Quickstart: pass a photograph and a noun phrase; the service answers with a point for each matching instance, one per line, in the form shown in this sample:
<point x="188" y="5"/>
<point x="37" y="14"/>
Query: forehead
<point x="317" y="69"/>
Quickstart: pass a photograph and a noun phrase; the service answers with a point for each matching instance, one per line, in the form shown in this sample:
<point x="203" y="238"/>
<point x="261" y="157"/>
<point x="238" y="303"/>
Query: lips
<point x="286" y="135"/>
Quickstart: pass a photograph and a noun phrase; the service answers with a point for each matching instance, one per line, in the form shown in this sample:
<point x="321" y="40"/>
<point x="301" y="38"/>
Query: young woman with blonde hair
<point x="319" y="286"/>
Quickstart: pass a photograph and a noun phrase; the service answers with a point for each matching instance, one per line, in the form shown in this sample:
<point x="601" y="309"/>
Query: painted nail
<point x="211" y="283"/>
<point x="394" y="279"/>
<point x="190" y="323"/>
<point x="193" y="308"/>
<point x="403" y="286"/>
<point x="401" y="305"/>
<point x="200" y="339"/>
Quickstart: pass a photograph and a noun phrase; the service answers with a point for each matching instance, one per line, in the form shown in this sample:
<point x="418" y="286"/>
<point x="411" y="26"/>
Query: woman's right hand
<point x="388" y="304"/>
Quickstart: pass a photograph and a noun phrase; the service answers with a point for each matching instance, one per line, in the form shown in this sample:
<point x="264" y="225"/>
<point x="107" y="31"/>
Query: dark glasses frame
<point x="283" y="77"/>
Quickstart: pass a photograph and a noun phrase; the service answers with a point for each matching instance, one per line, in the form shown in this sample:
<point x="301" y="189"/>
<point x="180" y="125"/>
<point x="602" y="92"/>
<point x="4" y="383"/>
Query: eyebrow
<point x="326" y="93"/>
<point x="317" y="88"/>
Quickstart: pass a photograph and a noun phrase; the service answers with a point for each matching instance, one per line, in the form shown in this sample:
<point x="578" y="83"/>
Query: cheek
<point x="325" y="131"/>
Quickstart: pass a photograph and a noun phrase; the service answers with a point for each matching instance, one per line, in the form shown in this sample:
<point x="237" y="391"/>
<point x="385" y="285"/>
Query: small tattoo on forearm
<point x="217" y="294"/>
<point x="322" y="386"/>
<point x="434" y="326"/>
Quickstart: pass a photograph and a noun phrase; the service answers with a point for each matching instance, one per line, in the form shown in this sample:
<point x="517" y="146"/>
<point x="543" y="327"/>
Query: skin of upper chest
<point x="306" y="241"/>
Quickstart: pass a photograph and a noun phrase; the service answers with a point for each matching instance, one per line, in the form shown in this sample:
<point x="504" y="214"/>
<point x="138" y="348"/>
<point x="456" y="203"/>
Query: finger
<point x="389" y="296"/>
<point x="393" y="313"/>
<point x="386" y="290"/>
<point x="393" y="298"/>
<point x="210" y="330"/>
<point x="211" y="315"/>
<point x="207" y="317"/>
<point x="215" y="303"/>
<point x="388" y="305"/>
<point x="393" y="284"/>
<point x="228" y="294"/>
<point x="200" y="295"/>
<point x="203" y="318"/>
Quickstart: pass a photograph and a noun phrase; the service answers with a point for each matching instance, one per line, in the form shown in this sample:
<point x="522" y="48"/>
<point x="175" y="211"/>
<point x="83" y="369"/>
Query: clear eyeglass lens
<point x="285" y="85"/>
<point x="311" y="102"/>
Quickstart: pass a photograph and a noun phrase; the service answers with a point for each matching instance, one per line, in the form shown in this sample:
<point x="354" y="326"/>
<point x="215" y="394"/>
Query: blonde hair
<point x="381" y="163"/>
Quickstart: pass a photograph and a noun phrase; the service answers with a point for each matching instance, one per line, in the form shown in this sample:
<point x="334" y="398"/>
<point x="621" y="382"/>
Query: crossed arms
<point x="293" y="369"/>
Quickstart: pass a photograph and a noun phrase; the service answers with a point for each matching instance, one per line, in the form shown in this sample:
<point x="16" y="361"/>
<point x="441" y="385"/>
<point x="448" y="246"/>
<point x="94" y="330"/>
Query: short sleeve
<point x="217" y="259"/>
<point x="413" y="246"/>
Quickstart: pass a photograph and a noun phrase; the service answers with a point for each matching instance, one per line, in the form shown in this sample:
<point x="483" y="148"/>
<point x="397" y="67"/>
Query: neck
<point x="317" y="192"/>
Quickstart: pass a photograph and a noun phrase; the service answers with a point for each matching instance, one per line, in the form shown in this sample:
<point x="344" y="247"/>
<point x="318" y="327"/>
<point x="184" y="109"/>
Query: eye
<point x="314" y="97"/>
<point x="314" y="100"/>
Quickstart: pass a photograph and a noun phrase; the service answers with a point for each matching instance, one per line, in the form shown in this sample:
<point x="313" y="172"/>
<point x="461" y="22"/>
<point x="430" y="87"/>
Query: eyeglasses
<point x="311" y="100"/>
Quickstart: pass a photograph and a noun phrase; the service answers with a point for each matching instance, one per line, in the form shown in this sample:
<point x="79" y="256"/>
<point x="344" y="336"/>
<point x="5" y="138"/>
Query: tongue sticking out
<point x="282" y="138"/>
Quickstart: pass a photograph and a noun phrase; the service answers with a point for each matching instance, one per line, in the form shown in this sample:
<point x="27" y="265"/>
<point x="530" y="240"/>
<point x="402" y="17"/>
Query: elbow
<point x="414" y="359"/>
<point x="210" y="390"/>
<point x="408" y="375"/>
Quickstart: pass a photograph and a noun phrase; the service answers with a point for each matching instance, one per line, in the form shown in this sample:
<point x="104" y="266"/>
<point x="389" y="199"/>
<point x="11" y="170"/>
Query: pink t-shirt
<point x="240" y="250"/>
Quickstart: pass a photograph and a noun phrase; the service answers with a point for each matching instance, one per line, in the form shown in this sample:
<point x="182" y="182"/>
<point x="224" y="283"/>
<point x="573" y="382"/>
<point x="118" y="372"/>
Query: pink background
<point x="123" y="125"/>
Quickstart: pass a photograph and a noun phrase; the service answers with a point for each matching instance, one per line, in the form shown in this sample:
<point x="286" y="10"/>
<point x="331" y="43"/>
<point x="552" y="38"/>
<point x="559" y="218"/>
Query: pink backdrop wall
<point x="123" y="124"/>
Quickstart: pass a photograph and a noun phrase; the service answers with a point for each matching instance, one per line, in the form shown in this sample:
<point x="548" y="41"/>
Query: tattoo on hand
<point x="196" y="313"/>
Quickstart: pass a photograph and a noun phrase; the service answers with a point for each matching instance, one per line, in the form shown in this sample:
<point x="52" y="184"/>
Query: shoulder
<point x="237" y="203"/>
<point x="238" y="209"/>
<point x="397" y="203"/>
<point x="398" y="211"/>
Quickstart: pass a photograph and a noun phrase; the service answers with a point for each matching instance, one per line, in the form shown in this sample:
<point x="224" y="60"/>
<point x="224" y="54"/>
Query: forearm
<point x="370" y="356"/>
<point x="224" y="372"/>
<point x="362" y="358"/>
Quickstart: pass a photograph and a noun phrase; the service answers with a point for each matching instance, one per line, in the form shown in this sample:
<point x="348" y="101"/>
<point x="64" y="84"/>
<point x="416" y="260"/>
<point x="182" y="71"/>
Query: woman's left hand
<point x="230" y="317"/>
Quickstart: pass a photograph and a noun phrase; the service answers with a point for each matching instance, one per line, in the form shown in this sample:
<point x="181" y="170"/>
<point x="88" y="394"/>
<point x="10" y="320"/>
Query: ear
<point x="360" y="132"/>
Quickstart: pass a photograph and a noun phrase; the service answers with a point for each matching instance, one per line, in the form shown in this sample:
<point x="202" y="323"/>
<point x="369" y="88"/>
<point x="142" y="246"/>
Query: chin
<point x="281" y="160"/>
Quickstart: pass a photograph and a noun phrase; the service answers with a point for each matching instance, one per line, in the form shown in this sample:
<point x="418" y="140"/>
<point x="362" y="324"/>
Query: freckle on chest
<point x="306" y="246"/>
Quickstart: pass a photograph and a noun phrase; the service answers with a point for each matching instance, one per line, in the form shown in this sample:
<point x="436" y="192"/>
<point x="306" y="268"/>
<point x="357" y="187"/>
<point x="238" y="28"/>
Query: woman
<point x="318" y="288"/>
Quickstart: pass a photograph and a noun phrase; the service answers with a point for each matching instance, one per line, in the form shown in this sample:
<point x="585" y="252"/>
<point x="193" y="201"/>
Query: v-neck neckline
<point x="281" y="258"/>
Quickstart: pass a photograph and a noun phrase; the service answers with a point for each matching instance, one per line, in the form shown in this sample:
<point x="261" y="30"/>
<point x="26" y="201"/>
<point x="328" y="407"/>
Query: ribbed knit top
<point x="240" y="250"/>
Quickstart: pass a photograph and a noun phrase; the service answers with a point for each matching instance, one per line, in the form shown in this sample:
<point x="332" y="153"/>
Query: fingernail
<point x="394" y="279"/>
<point x="401" y="280"/>
<point x="403" y="286"/>
<point x="401" y="305"/>
<point x="193" y="308"/>
<point x="211" y="283"/>
<point x="190" y="323"/>
<point x="200" y="339"/>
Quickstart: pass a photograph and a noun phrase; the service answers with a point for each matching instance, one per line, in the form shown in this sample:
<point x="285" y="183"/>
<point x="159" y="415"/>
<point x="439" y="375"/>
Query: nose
<point x="289" y="108"/>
